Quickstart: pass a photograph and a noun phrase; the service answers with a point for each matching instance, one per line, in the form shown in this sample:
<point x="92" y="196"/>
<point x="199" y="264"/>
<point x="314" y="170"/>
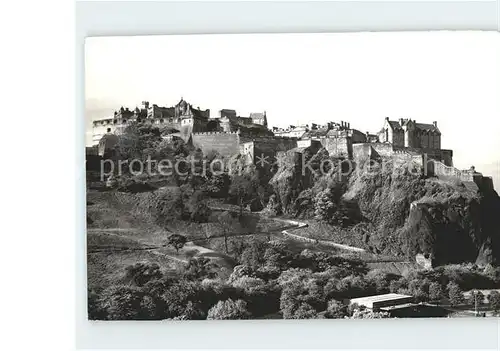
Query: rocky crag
<point x="402" y="213"/>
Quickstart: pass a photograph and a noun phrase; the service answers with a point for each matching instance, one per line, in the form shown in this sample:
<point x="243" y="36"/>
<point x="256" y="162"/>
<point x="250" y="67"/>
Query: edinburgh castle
<point x="229" y="134"/>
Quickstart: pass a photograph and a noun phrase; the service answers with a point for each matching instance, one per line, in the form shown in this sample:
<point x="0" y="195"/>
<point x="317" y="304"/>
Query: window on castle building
<point x="114" y="121"/>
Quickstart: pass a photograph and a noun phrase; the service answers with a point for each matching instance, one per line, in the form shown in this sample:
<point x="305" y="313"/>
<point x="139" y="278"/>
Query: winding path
<point x="294" y="225"/>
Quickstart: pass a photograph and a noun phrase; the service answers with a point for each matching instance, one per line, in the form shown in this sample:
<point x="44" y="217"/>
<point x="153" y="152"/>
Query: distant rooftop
<point x="377" y="298"/>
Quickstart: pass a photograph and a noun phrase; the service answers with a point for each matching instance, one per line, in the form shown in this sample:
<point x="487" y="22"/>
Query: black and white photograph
<point x="292" y="176"/>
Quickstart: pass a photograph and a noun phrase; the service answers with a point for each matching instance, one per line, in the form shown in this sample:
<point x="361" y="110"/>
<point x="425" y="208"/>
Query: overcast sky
<point x="449" y="77"/>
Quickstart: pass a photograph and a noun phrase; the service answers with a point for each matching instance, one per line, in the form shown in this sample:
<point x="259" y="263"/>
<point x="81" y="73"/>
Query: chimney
<point x="435" y="124"/>
<point x="401" y="121"/>
<point x="349" y="125"/>
<point x="387" y="118"/>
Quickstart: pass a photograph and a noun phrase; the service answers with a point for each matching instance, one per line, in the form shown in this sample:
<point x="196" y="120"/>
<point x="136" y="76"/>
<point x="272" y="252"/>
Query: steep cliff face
<point x="291" y="178"/>
<point x="447" y="220"/>
<point x="406" y="214"/>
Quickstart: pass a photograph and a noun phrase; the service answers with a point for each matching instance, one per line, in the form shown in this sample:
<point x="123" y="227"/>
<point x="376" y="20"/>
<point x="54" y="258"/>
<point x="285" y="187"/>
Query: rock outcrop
<point x="406" y="213"/>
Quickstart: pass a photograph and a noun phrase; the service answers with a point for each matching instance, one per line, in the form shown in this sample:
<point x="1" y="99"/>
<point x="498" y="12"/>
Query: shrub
<point x="169" y="205"/>
<point x="494" y="300"/>
<point x="141" y="273"/>
<point x="229" y="309"/>
<point x="435" y="291"/>
<point x="368" y="314"/>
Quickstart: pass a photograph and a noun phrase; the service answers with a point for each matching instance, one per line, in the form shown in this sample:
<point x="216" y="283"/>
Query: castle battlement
<point x="265" y="138"/>
<point x="215" y="133"/>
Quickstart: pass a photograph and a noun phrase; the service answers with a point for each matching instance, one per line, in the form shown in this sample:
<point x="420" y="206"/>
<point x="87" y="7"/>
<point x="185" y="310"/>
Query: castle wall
<point x="339" y="147"/>
<point x="315" y="144"/>
<point x="99" y="128"/>
<point x="226" y="144"/>
<point x="269" y="146"/>
<point x="428" y="140"/>
<point x="444" y="156"/>
<point x="439" y="169"/>
<point x="304" y="143"/>
<point x="361" y="152"/>
<point x="382" y="149"/>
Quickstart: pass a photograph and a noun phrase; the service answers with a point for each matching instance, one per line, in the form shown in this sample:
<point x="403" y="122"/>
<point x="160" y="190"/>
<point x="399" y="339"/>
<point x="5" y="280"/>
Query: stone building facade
<point x="229" y="121"/>
<point x="229" y="134"/>
<point x="182" y="117"/>
<point x="114" y="124"/>
<point x="409" y="133"/>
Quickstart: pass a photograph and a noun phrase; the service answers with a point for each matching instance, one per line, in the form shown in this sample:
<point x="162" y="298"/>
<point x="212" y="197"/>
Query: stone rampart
<point x="226" y="144"/>
<point x="338" y="146"/>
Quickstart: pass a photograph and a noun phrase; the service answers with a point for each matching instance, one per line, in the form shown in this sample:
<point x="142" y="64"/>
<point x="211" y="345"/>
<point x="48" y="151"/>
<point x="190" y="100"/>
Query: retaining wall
<point x="339" y="147"/>
<point x="226" y="144"/>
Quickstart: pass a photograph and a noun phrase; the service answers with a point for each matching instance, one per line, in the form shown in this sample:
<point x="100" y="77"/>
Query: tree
<point x="455" y="294"/>
<point x="141" y="273"/>
<point x="217" y="185"/>
<point x="198" y="207"/>
<point x="227" y="222"/>
<point x="336" y="309"/>
<point x="475" y="297"/>
<point x="494" y="300"/>
<point x="123" y="302"/>
<point x="243" y="188"/>
<point x="324" y="205"/>
<point x="229" y="309"/>
<point x="302" y="294"/>
<point x="173" y="296"/>
<point x="435" y="291"/>
<point x="200" y="268"/>
<point x="95" y="311"/>
<point x="419" y="288"/>
<point x="177" y="241"/>
<point x="382" y="280"/>
<point x="253" y="254"/>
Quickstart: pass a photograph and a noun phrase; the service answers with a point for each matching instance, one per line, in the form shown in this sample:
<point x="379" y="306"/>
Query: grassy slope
<point x="118" y="221"/>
